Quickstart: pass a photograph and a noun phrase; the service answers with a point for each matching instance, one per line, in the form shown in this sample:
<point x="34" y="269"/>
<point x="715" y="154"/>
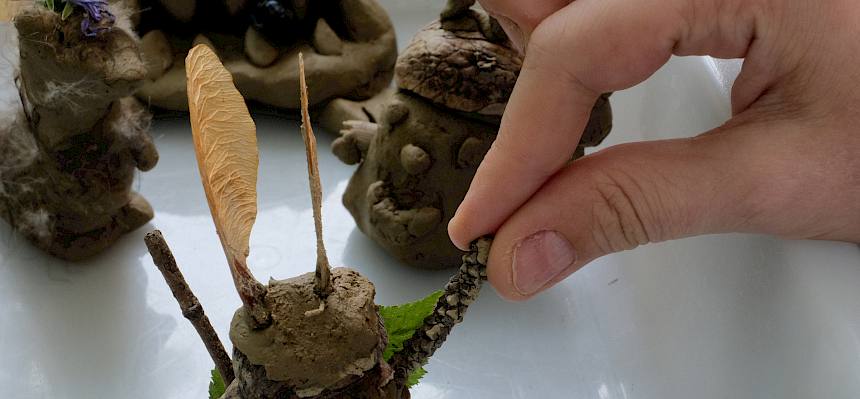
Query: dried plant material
<point x="225" y="141"/>
<point x="323" y="273"/>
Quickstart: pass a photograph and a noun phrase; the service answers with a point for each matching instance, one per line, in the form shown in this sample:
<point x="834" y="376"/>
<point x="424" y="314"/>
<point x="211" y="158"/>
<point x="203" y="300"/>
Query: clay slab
<point x="710" y="317"/>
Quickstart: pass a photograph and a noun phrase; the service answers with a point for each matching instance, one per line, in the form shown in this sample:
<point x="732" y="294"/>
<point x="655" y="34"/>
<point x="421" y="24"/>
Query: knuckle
<point x="623" y="217"/>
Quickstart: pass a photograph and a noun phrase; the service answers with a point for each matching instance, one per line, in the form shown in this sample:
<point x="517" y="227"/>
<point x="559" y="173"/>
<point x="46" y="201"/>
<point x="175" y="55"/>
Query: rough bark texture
<point x="188" y="303"/>
<point x="460" y="292"/>
<point x="417" y="161"/>
<point x="68" y="159"/>
<point x="350" y="54"/>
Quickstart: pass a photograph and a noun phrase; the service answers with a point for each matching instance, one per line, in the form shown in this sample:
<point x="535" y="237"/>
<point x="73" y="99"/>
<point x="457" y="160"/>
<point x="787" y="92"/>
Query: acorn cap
<point x="460" y="70"/>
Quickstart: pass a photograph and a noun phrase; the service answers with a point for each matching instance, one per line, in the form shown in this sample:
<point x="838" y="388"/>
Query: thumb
<point x="728" y="180"/>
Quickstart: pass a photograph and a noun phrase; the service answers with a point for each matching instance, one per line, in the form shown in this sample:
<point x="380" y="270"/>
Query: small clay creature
<point x="418" y="152"/>
<point x="71" y="143"/>
<point x="319" y="335"/>
<point x="348" y="44"/>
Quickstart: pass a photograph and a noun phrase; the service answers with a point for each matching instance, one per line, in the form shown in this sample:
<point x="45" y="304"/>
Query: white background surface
<point x="734" y="316"/>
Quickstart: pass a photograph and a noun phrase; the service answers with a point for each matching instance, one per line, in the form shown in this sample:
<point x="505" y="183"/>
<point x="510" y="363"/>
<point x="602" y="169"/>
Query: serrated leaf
<point x="67" y="11"/>
<point x="225" y="142"/>
<point x="216" y="385"/>
<point x="401" y="321"/>
<point x="415" y="377"/>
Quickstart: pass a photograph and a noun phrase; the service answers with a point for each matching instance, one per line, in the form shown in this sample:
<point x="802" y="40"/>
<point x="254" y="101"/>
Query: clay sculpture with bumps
<point x="418" y="152"/>
<point x="71" y="137"/>
<point x="318" y="335"/>
<point x="348" y="44"/>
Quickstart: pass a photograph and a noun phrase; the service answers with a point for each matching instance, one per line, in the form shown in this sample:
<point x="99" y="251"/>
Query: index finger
<point x="586" y="48"/>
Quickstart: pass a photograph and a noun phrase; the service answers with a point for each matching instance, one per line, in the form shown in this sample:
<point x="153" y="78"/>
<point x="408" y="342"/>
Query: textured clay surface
<point x="417" y="162"/>
<point x="308" y="351"/>
<point x="69" y="155"/>
<point x="413" y="177"/>
<point x="350" y="53"/>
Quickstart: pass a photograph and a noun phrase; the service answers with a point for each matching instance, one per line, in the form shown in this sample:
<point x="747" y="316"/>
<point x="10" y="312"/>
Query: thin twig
<point x="188" y="303"/>
<point x="459" y="293"/>
<point x="322" y="279"/>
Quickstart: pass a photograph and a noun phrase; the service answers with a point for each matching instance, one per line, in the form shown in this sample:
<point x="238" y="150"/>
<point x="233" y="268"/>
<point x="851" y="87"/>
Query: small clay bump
<point x="325" y="40"/>
<point x="424" y="220"/>
<point x="396" y="113"/>
<point x="157" y="53"/>
<point x="345" y="150"/>
<point x="471" y="153"/>
<point x="414" y="159"/>
<point x="375" y="192"/>
<point x="258" y="50"/>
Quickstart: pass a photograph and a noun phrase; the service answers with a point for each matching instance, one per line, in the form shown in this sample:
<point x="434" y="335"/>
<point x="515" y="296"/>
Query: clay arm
<point x="144" y="152"/>
<point x="352" y="145"/>
<point x="459" y="293"/>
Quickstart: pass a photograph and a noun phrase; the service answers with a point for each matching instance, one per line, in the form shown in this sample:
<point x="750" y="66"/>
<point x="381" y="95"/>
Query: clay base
<point x="251" y="382"/>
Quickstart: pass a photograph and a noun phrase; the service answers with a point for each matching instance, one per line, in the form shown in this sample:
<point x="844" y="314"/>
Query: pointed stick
<point x="188" y="303"/>
<point x="322" y="279"/>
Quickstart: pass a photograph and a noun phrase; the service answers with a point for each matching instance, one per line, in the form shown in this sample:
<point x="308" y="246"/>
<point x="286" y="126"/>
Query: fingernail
<point x="540" y="258"/>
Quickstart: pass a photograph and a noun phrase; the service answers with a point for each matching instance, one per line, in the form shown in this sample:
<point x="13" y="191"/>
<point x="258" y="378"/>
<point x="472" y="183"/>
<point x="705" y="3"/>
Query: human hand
<point x="787" y="163"/>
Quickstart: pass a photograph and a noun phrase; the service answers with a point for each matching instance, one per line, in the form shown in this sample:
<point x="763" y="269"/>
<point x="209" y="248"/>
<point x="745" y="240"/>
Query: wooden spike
<point x="323" y="273"/>
<point x="225" y="141"/>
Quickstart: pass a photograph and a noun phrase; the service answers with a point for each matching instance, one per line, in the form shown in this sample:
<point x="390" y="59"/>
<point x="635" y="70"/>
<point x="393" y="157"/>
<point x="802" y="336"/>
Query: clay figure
<point x="418" y="151"/>
<point x="348" y="44"/>
<point x="71" y="135"/>
<point x="318" y="335"/>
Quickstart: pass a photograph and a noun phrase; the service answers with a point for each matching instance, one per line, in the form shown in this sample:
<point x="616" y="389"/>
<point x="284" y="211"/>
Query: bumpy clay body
<point x="349" y="48"/>
<point x="71" y="138"/>
<point x="418" y="152"/>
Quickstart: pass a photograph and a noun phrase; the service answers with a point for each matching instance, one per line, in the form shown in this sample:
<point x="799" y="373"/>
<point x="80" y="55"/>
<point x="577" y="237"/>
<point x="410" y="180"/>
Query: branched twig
<point x="459" y="293"/>
<point x="322" y="279"/>
<point x="191" y="308"/>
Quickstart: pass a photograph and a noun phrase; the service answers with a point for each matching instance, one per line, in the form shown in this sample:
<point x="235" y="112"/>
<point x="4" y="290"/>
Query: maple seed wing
<point x="225" y="141"/>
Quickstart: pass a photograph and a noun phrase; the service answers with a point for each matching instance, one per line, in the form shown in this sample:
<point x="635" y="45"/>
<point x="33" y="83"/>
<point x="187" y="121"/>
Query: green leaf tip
<point x="67" y="11"/>
<point x="401" y="322"/>
<point x="216" y="385"/>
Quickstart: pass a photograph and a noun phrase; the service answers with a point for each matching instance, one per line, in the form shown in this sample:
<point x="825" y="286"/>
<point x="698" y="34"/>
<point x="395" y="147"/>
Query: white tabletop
<point x="731" y="316"/>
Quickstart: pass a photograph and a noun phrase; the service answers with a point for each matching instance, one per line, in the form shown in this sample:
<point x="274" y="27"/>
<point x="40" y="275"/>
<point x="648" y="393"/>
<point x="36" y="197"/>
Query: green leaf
<point x="415" y="377"/>
<point x="49" y="4"/>
<point x="216" y="386"/>
<point x="67" y="10"/>
<point x="401" y="321"/>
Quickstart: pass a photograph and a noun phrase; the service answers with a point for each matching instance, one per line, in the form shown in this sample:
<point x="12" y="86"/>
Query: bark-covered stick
<point x="188" y="303"/>
<point x="459" y="293"/>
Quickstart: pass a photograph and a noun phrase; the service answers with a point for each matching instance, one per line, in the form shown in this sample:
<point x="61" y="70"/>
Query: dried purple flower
<point x="97" y="11"/>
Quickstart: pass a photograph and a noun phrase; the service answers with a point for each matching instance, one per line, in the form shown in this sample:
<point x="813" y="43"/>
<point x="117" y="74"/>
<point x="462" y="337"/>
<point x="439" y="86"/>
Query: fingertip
<point x="457" y="233"/>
